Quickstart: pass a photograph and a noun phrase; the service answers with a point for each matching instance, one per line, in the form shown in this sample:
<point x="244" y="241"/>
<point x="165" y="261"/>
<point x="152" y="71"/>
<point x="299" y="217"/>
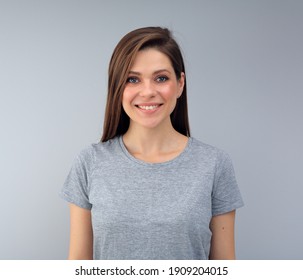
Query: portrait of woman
<point x="136" y="130"/>
<point x="148" y="189"/>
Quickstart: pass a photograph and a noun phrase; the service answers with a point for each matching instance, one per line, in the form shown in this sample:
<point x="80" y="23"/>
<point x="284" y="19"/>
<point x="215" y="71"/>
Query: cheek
<point x="127" y="97"/>
<point x="169" y="92"/>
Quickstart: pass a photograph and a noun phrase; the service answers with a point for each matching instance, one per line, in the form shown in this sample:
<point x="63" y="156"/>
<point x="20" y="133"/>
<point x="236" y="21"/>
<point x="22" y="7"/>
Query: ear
<point x="181" y="83"/>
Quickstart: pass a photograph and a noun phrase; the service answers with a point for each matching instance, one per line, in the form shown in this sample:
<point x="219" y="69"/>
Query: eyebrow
<point x="154" y="73"/>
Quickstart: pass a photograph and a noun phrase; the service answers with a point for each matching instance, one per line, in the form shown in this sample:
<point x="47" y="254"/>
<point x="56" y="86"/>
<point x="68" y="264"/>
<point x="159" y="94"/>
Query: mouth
<point x="148" y="107"/>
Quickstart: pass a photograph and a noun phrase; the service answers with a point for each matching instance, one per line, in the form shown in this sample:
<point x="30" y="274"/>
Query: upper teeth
<point x="148" y="107"/>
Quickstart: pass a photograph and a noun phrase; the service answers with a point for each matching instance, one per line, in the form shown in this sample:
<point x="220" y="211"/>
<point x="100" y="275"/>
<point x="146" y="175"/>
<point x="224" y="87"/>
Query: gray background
<point x="244" y="71"/>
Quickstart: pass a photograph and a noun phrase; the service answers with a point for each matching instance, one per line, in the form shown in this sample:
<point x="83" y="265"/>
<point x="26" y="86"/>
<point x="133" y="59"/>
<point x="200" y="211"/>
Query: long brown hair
<point x="116" y="121"/>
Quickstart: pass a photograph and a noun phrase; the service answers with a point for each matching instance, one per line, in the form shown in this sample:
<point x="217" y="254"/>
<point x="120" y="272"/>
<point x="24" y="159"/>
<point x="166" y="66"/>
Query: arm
<point x="222" y="242"/>
<point x="81" y="234"/>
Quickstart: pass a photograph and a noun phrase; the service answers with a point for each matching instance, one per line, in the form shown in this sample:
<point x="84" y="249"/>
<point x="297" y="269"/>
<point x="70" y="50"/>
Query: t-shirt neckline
<point x="154" y="164"/>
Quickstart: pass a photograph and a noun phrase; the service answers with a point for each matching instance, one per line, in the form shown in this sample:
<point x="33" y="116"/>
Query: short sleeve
<point x="76" y="186"/>
<point x="226" y="195"/>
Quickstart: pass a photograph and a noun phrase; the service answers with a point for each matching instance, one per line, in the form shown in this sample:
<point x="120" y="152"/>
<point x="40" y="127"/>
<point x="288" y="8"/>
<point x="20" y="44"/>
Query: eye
<point x="161" y="79"/>
<point x="132" y="80"/>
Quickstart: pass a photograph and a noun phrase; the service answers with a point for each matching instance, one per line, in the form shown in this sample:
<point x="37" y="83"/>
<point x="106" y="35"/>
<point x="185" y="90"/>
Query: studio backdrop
<point x="244" y="71"/>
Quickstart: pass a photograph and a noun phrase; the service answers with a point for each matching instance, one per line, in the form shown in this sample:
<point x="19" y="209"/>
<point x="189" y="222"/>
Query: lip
<point x="150" y="111"/>
<point x="148" y="104"/>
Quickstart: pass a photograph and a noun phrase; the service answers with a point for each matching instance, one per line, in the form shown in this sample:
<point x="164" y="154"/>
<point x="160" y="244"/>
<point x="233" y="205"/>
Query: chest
<point x="155" y="198"/>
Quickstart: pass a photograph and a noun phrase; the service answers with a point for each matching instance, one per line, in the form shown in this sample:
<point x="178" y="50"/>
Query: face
<point x="151" y="91"/>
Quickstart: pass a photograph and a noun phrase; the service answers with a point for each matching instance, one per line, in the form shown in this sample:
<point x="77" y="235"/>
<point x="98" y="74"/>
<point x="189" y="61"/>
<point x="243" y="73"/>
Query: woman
<point x="148" y="190"/>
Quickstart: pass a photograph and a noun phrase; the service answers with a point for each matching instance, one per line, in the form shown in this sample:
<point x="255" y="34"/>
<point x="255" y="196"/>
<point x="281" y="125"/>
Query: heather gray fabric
<point x="152" y="210"/>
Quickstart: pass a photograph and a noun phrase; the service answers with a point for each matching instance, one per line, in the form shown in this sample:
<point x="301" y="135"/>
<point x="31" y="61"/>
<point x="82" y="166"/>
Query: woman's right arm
<point x="81" y="234"/>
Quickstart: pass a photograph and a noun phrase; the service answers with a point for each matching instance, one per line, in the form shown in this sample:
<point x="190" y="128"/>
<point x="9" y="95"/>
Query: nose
<point x="148" y="89"/>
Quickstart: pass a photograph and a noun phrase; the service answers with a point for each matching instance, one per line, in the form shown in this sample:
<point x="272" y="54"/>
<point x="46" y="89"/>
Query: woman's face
<point x="152" y="89"/>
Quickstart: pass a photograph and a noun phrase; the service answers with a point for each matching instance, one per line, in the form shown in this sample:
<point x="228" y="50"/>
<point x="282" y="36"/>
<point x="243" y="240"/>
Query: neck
<point x="151" y="141"/>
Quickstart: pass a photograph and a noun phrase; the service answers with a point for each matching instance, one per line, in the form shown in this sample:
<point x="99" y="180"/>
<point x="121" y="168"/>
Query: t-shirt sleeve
<point x="226" y="195"/>
<point x="76" y="186"/>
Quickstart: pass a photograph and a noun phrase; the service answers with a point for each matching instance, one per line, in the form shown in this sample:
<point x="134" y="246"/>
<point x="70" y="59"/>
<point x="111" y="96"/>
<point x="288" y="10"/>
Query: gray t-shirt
<point x="146" y="210"/>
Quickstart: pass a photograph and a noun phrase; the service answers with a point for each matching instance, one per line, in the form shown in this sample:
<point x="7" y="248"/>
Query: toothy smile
<point x="148" y="107"/>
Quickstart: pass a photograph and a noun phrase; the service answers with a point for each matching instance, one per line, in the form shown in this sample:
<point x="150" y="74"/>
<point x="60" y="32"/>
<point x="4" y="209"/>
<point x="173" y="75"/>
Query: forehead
<point x="151" y="59"/>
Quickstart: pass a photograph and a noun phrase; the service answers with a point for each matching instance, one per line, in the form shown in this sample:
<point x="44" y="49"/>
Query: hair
<point x="116" y="121"/>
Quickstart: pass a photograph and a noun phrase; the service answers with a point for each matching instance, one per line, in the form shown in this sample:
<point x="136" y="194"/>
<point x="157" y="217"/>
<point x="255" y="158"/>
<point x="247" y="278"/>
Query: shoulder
<point x="207" y="151"/>
<point x="220" y="161"/>
<point x="93" y="151"/>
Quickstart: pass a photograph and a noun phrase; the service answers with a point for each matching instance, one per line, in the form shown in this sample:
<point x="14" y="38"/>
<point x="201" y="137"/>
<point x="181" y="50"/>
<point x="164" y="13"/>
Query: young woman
<point x="148" y="190"/>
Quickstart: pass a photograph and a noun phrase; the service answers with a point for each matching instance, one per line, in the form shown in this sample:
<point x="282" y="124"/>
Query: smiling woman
<point x="122" y="71"/>
<point x="151" y="92"/>
<point x="148" y="190"/>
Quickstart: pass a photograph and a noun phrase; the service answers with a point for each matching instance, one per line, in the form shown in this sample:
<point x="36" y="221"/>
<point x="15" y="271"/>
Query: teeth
<point x="148" y="107"/>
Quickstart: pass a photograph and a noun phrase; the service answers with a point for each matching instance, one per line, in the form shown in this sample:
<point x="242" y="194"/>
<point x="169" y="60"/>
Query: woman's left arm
<point x="222" y="242"/>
